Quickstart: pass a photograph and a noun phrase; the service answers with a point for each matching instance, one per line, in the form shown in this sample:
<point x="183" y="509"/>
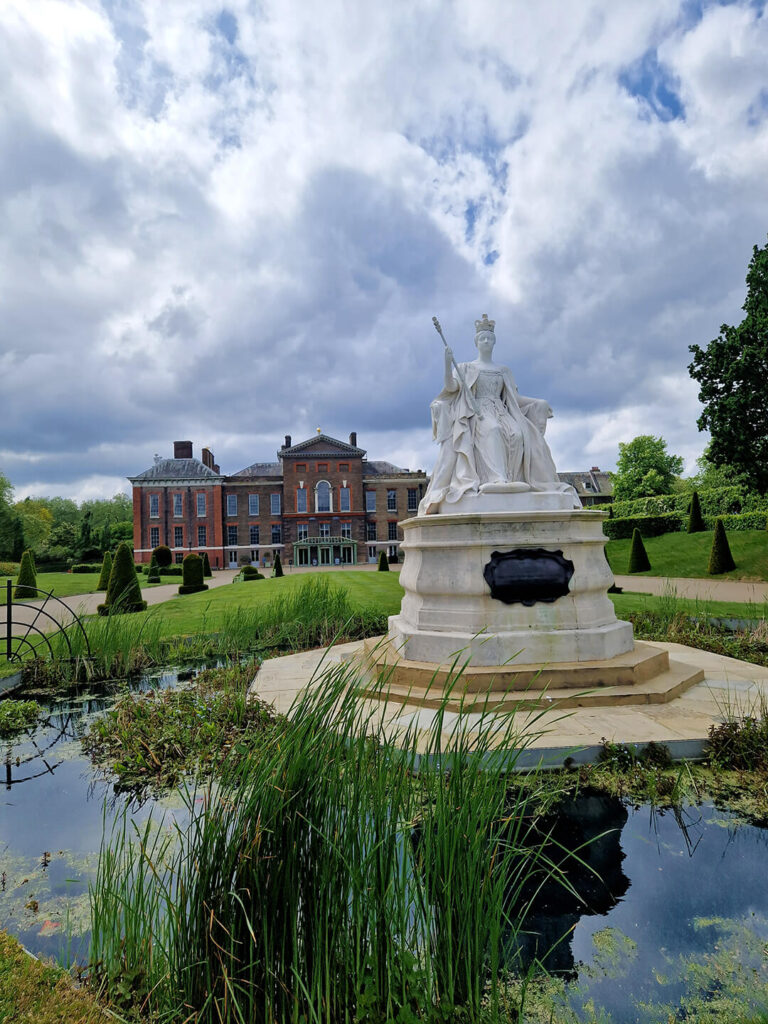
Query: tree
<point x="638" y="556"/>
<point x="11" y="530"/>
<point x="696" y="522"/>
<point x="106" y="572"/>
<point x="36" y="522"/>
<point x="105" y="541"/>
<point x="720" y="557"/>
<point x="732" y="372"/>
<point x="645" y="467"/>
<point x="383" y="563"/>
<point x="277" y="568"/>
<point x="123" y="590"/>
<point x="26" y="582"/>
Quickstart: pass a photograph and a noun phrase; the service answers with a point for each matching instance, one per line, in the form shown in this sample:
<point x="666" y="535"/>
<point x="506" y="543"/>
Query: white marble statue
<point x="491" y="437"/>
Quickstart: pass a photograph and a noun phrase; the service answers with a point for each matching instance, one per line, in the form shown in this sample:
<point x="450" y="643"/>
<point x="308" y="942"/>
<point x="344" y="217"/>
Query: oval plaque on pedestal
<point x="528" y="575"/>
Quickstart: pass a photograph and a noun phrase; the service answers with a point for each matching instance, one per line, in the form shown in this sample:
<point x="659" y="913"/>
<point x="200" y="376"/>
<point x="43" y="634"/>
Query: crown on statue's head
<point x="485" y="324"/>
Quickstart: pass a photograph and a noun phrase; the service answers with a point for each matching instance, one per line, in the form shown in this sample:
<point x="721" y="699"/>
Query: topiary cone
<point x="106" y="571"/>
<point x="153" y="576"/>
<point x="696" y="522"/>
<point x="638" y="556"/>
<point x="383" y="563"/>
<point x="278" y="566"/>
<point x="206" y="565"/>
<point x="720" y="557"/>
<point x="192" y="570"/>
<point x="123" y="590"/>
<point x="26" y="581"/>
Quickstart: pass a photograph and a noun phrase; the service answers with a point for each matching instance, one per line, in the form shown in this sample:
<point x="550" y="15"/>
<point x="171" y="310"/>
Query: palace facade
<point x="322" y="503"/>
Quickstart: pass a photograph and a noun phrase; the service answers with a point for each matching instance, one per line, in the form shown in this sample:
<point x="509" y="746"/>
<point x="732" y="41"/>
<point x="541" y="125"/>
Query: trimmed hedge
<point x="696" y="522"/>
<point x="106" y="571"/>
<point x="206" y="565"/>
<point x="163" y="554"/>
<point x="123" y="591"/>
<point x="153" y="576"/>
<point x="277" y="569"/>
<point x="745" y="521"/>
<point x="649" y="526"/>
<point x="638" y="556"/>
<point x="84" y="567"/>
<point x="26" y="581"/>
<point x="250" y="572"/>
<point x="383" y="563"/>
<point x="716" y="501"/>
<point x="720" y="557"/>
<point x="192" y="567"/>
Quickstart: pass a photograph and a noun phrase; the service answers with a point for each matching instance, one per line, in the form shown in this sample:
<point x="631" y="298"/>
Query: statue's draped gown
<point x="505" y="444"/>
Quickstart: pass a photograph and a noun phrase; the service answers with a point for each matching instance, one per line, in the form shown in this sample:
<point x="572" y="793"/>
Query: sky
<point x="231" y="222"/>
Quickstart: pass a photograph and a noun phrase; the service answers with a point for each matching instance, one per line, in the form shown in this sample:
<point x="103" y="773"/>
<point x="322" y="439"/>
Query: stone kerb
<point x="448" y="607"/>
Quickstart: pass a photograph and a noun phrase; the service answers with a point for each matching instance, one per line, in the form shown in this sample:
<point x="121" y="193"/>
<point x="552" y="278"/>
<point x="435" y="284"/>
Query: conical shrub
<point x="106" y="571"/>
<point x="123" y="590"/>
<point x="720" y="557"/>
<point x="206" y="565"/>
<point x="638" y="556"/>
<point x="383" y="563"/>
<point x="153" y="576"/>
<point x="696" y="522"/>
<point x="278" y="566"/>
<point x="192" y="571"/>
<point x="26" y="582"/>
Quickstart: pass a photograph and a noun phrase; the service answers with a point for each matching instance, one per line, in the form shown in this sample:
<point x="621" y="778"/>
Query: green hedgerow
<point x="383" y="563"/>
<point x="277" y="569"/>
<point x="192" y="568"/>
<point x="106" y="571"/>
<point x="720" y="557"/>
<point x="696" y="522"/>
<point x="26" y="583"/>
<point x="123" y="590"/>
<point x="638" y="556"/>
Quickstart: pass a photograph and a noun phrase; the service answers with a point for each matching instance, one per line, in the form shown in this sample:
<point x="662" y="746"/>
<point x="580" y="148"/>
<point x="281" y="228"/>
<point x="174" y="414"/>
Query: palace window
<point x="344" y="500"/>
<point x="177" y="505"/>
<point x="413" y="499"/>
<point x="202" y="537"/>
<point x="302" y="531"/>
<point x="154" y="536"/>
<point x="323" y="496"/>
<point x="321" y="467"/>
<point x="231" y="504"/>
<point x="343" y="467"/>
<point x="370" y="531"/>
<point x="201" y="504"/>
<point x="253" y="504"/>
<point x="254" y="535"/>
<point x="178" y="536"/>
<point x="325" y="530"/>
<point x="300" y="467"/>
<point x="346" y="531"/>
<point x="301" y="499"/>
<point x="391" y="501"/>
<point x="277" y="533"/>
<point x="179" y="557"/>
<point x="274" y="504"/>
<point x="370" y="501"/>
<point x="154" y="506"/>
<point x="231" y="536"/>
<point x="391" y="531"/>
<point x="391" y="552"/>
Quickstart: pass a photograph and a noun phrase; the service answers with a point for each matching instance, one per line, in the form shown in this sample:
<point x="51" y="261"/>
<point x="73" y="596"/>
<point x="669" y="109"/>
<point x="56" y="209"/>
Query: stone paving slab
<point x="730" y="687"/>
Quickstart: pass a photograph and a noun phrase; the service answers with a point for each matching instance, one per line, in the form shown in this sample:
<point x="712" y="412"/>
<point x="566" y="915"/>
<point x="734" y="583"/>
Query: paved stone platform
<point x="729" y="688"/>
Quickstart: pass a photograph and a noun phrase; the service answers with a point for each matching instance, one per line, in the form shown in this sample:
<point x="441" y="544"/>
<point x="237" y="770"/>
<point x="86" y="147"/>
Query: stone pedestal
<point x="448" y="607"/>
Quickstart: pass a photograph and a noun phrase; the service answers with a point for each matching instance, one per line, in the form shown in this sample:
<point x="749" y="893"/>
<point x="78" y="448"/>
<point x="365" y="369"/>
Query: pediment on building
<point x="321" y="446"/>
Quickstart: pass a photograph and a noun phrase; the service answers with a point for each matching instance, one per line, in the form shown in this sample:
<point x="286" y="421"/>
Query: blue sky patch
<point x="650" y="81"/>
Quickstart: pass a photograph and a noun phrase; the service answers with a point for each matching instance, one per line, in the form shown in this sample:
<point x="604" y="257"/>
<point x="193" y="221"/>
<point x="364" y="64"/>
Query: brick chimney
<point x="207" y="457"/>
<point x="353" y="439"/>
<point x="287" y="441"/>
<point x="216" y="468"/>
<point x="595" y="469"/>
<point x="182" y="449"/>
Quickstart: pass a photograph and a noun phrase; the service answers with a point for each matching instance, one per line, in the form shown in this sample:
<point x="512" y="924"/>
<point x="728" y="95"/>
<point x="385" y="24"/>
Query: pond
<point x="669" y="912"/>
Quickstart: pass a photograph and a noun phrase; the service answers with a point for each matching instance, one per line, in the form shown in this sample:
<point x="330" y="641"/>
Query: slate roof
<point x="260" y="469"/>
<point x="378" y="468"/>
<point x="589" y="483"/>
<point x="176" y="469"/>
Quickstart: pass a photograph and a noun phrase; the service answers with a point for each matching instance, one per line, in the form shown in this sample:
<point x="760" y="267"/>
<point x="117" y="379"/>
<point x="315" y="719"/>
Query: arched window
<point x="323" y="497"/>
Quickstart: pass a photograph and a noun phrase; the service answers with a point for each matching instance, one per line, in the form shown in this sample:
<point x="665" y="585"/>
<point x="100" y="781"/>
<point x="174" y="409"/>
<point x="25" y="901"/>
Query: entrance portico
<point x="325" y="551"/>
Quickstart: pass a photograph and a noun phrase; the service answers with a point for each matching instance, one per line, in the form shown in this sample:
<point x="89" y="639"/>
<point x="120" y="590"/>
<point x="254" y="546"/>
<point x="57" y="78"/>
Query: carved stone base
<point x="448" y="605"/>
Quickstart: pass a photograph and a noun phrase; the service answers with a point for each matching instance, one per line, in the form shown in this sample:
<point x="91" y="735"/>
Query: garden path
<point x="697" y="589"/>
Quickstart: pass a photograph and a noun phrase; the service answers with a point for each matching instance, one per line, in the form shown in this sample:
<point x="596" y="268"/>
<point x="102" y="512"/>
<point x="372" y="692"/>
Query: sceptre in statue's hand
<point x="459" y="374"/>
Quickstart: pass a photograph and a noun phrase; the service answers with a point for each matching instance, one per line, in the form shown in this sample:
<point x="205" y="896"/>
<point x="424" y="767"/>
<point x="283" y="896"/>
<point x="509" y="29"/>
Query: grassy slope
<point x="687" y="555"/>
<point x="35" y="993"/>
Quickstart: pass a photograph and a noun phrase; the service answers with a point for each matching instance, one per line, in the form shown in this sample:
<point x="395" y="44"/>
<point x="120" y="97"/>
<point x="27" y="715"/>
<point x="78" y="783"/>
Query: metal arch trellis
<point x="18" y="645"/>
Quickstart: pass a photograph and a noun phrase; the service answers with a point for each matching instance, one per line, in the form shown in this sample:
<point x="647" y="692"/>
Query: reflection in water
<point x="582" y="837"/>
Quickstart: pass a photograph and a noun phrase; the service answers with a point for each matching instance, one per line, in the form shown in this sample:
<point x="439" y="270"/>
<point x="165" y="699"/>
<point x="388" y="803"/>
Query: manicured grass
<point x="67" y="584"/>
<point x="687" y="555"/>
<point x="628" y="603"/>
<point x="36" y="993"/>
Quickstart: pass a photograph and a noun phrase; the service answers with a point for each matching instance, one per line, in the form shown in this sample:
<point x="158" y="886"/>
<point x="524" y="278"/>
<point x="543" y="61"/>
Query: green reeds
<point x="331" y="875"/>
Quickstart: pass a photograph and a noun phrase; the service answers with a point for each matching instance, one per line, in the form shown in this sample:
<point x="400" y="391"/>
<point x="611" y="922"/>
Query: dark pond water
<point x="669" y="912"/>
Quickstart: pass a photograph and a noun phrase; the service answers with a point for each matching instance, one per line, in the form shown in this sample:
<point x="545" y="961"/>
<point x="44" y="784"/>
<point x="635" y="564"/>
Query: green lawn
<point x="687" y="555"/>
<point x="65" y="584"/>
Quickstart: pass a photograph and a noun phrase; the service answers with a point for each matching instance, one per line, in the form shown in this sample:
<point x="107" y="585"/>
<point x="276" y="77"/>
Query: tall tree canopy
<point x="732" y="372"/>
<point x="645" y="467"/>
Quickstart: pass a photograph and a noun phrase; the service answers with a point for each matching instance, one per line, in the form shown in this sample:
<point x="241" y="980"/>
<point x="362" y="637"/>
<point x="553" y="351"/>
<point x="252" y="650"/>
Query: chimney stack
<point x="595" y="469"/>
<point x="182" y="449"/>
<point x="287" y="441"/>
<point x="207" y="457"/>
<point x="353" y="439"/>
